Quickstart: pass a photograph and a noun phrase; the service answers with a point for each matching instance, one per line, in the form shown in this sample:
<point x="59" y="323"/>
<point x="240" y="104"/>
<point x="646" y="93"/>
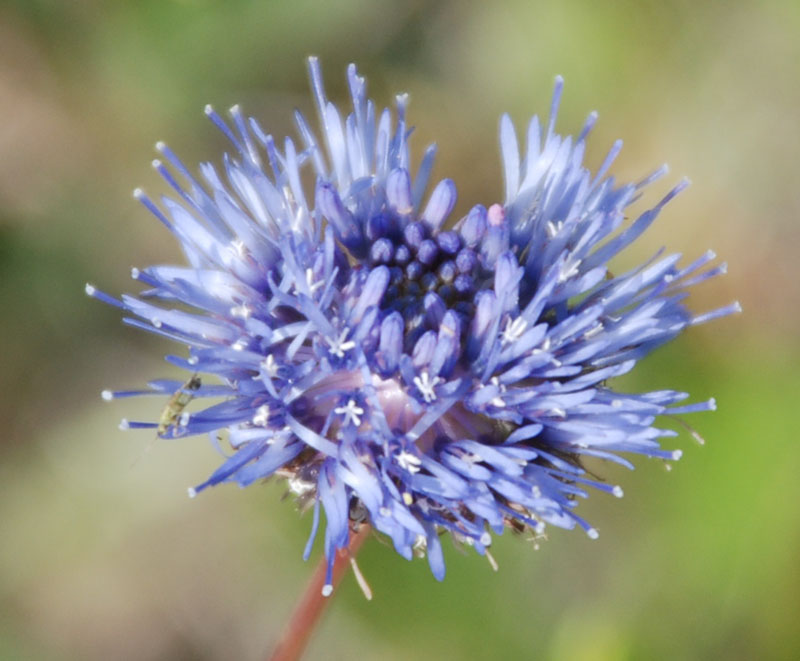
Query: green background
<point x="102" y="555"/>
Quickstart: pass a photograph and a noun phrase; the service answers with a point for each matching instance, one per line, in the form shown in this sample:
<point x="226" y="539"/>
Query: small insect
<point x="177" y="402"/>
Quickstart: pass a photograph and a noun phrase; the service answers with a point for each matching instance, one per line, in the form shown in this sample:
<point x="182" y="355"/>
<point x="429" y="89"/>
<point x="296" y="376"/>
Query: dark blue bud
<point x="466" y="260"/>
<point x="381" y="251"/>
<point x="446" y="291"/>
<point x="474" y="226"/>
<point x="428" y="282"/>
<point x="465" y="309"/>
<point x="402" y="255"/>
<point x="427" y="251"/>
<point x="391" y="296"/>
<point x="414" y="234"/>
<point x="414" y="270"/>
<point x="463" y="283"/>
<point x="447" y="272"/>
<point x="396" y="275"/>
<point x="449" y="242"/>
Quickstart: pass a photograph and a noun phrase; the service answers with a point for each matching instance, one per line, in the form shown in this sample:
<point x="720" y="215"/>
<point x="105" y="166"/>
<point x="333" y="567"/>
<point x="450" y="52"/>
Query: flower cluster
<point x="394" y="366"/>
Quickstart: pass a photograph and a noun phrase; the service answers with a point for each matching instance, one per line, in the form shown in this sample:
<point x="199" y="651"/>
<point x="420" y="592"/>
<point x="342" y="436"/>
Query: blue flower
<point x="394" y="366"/>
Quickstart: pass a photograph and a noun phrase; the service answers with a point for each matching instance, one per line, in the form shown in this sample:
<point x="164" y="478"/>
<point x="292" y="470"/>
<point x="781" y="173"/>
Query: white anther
<point x="617" y="491"/>
<point x="238" y="248"/>
<point x="408" y="462"/>
<point x="239" y="345"/>
<point x="594" y="330"/>
<point x="312" y="286"/>
<point x="269" y="366"/>
<point x="107" y="395"/>
<point x="514" y="330"/>
<point x="243" y="311"/>
<point x="124" y="425"/>
<point x="340" y="345"/>
<point x="327" y="590"/>
<point x="554" y="228"/>
<point x="262" y="416"/>
<point x="568" y="270"/>
<point x="90" y="290"/>
<point x="498" y="401"/>
<point x="558" y="413"/>
<point x="352" y="413"/>
<point x="191" y="492"/>
<point x="135" y="273"/>
<point x="592" y="533"/>
<point x="299" y="487"/>
<point x="426" y="386"/>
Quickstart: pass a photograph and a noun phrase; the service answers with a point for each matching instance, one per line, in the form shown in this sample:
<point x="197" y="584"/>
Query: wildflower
<point x="430" y="376"/>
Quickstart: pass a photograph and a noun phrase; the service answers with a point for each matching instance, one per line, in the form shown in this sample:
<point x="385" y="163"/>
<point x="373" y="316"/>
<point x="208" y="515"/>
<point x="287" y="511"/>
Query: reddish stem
<point x="312" y="604"/>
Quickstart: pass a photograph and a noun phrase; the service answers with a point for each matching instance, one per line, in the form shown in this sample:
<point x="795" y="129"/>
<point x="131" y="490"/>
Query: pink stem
<point x="312" y="604"/>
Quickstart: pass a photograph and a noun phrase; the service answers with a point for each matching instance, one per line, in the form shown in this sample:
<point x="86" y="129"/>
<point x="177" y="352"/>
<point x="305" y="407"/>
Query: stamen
<point x="261" y="418"/>
<point x="492" y="562"/>
<point x="269" y="366"/>
<point x="339" y="346"/>
<point x="362" y="582"/>
<point x="514" y="330"/>
<point x="426" y="386"/>
<point x="408" y="462"/>
<point x="352" y="413"/>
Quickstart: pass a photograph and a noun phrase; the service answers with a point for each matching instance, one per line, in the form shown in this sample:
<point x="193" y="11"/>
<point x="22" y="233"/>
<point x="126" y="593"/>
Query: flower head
<point x="395" y="366"/>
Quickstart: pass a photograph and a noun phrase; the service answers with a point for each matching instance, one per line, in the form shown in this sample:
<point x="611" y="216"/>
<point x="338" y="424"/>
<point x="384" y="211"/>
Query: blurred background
<point x="101" y="553"/>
